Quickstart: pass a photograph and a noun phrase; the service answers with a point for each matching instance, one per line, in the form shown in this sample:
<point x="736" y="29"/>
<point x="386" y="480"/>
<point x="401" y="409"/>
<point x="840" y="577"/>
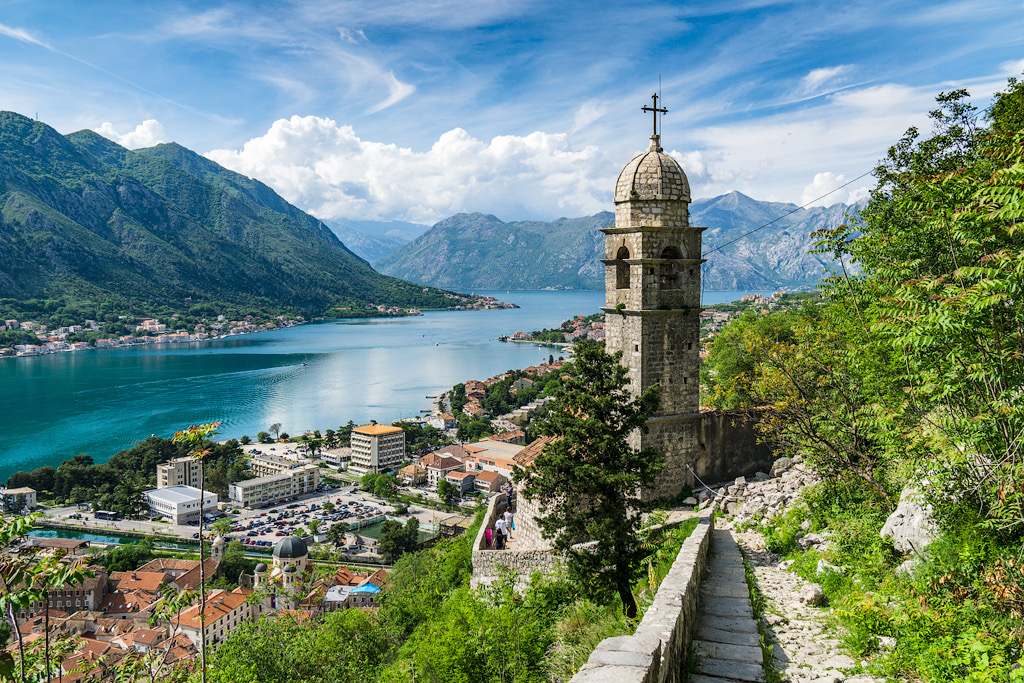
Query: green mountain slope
<point x="86" y="219"/>
<point x="478" y="251"/>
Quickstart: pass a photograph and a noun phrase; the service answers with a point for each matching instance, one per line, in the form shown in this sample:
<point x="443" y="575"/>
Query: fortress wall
<point x="657" y="652"/>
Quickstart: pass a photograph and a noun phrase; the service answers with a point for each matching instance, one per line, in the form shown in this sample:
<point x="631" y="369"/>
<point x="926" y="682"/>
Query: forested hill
<point x="85" y="220"/>
<point x="473" y="251"/>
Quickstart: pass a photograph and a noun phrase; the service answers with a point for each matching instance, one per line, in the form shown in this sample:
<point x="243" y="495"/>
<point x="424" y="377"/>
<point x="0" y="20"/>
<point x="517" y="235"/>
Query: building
<point x="224" y="612"/>
<point x="652" y="305"/>
<point x="412" y="475"/>
<point x="19" y="499"/>
<point x="275" y="487"/>
<point x="265" y="464"/>
<point x="377" y="448"/>
<point x="464" y="480"/>
<point x="178" y="472"/>
<point x="443" y="421"/>
<point x="180" y="504"/>
<point x="489" y="482"/>
<point x="438" y="467"/>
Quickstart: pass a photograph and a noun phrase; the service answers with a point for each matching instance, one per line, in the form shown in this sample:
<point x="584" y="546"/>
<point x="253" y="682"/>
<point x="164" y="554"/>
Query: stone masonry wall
<point x="657" y="652"/>
<point x="487" y="563"/>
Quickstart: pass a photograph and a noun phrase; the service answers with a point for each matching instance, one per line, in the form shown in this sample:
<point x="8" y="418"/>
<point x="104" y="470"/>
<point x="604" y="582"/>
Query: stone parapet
<point x="657" y="652"/>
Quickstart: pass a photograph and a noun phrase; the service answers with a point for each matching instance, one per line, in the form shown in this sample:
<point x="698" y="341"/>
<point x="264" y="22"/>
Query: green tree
<point x="128" y="557"/>
<point x="263" y="437"/>
<point x="314" y="526"/>
<point x="368" y="481"/>
<point x="588" y="478"/>
<point x="336" y="534"/>
<point x="448" y="492"/>
<point x="245" y="440"/>
<point x="397" y="539"/>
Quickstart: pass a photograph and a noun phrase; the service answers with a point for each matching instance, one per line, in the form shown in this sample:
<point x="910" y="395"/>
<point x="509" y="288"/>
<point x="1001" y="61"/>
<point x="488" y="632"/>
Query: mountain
<point x="486" y="253"/>
<point x="479" y="251"/>
<point x="369" y="246"/>
<point x="86" y="220"/>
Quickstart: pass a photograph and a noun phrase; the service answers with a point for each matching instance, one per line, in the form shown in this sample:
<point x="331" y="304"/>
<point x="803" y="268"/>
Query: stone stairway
<point x="726" y="642"/>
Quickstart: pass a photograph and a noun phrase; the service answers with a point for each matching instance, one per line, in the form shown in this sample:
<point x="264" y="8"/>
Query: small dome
<point x="261" y="568"/>
<point x="290" y="548"/>
<point x="652" y="175"/>
<point x="218" y="542"/>
<point x="290" y="569"/>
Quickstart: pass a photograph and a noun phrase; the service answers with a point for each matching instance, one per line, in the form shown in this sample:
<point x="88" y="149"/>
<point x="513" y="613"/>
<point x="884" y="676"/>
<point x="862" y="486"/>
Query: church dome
<point x="261" y="568"/>
<point x="652" y="175"/>
<point x="290" y="569"/>
<point x="218" y="542"/>
<point x="290" y="548"/>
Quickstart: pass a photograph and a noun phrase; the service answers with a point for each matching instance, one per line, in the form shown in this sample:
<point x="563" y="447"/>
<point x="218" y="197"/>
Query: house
<point x="19" y="499"/>
<point x="412" y="475"/>
<point x="440" y="467"/>
<point x="223" y="613"/>
<point x="443" y="421"/>
<point x="464" y="480"/>
<point x="489" y="482"/>
<point x="523" y="383"/>
<point x="517" y="437"/>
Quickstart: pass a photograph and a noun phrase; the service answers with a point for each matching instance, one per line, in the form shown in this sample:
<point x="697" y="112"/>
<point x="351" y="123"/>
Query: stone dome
<point x="261" y="568"/>
<point x="290" y="569"/>
<point x="218" y="542"/>
<point x="652" y="175"/>
<point x="290" y="548"/>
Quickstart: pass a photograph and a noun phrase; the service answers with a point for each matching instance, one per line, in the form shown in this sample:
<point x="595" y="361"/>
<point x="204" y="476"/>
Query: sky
<point x="418" y="109"/>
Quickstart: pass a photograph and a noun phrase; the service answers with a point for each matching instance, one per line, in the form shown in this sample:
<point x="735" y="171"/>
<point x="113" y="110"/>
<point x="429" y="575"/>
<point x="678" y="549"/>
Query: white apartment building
<point x="178" y="472"/>
<point x="180" y="504"/>
<point x="274" y="488"/>
<point x="266" y="464"/>
<point x="377" y="448"/>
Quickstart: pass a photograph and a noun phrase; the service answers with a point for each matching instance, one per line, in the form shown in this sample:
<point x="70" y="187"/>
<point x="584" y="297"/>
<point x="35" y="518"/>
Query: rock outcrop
<point x="911" y="525"/>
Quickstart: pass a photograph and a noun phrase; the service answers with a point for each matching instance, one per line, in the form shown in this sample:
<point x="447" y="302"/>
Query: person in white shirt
<point x="509" y="524"/>
<point x="499" y="532"/>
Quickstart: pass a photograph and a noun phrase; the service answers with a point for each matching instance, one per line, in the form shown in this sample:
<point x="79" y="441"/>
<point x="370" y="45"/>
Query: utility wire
<point x="849" y="182"/>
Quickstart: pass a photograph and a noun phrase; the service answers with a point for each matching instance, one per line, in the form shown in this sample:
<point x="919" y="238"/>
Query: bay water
<point x="100" y="401"/>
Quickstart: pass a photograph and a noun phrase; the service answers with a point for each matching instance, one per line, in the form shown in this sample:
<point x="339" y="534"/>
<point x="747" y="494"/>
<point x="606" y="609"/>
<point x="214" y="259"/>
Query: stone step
<point x="716" y="635"/>
<point x="730" y="670"/>
<point x="736" y="625"/>
<point x="735" y="653"/>
<point x="700" y="678"/>
<point x="726" y="607"/>
<point x="725" y="589"/>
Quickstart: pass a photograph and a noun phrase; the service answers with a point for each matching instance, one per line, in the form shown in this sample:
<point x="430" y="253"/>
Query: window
<point x="622" y="268"/>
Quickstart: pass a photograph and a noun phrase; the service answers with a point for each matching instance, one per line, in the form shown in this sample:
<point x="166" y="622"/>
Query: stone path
<point x="726" y="644"/>
<point x="804" y="650"/>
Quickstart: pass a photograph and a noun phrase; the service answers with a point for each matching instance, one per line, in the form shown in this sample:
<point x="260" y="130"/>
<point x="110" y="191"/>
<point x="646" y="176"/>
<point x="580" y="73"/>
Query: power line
<point x="849" y="182"/>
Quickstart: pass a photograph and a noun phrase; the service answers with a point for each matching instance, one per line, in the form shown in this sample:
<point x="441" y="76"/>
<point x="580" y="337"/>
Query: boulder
<point x="781" y="465"/>
<point x="826" y="566"/>
<point x="812" y="594"/>
<point x="690" y="501"/>
<point x="910" y="525"/>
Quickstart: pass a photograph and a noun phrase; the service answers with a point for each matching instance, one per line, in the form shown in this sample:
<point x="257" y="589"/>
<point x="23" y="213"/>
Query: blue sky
<point x="417" y="110"/>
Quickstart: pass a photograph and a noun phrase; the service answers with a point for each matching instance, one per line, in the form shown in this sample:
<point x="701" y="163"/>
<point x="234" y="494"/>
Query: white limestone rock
<point x="812" y="594"/>
<point x="910" y="525"/>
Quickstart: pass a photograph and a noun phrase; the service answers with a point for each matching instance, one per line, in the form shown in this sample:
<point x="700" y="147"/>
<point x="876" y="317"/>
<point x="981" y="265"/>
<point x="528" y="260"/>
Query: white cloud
<point x="589" y="112"/>
<point x="326" y="169"/>
<point x="823" y="191"/>
<point x="349" y="36"/>
<point x="146" y="134"/>
<point x="397" y="91"/>
<point x="824" y="78"/>
<point x="1012" y="68"/>
<point x="22" y="35"/>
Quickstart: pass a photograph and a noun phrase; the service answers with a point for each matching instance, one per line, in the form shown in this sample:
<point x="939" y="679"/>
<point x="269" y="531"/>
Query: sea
<point x="313" y="376"/>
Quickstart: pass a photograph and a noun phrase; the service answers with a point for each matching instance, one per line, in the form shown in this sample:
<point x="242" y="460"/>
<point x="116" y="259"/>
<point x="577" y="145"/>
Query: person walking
<point x="509" y="523"/>
<point x="499" y="532"/>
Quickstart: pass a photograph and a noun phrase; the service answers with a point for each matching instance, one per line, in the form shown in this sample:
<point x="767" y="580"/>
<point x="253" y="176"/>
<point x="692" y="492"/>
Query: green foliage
<point x="127" y="557"/>
<point x="448" y="492"/>
<point x="587" y="477"/>
<point x="397" y="539"/>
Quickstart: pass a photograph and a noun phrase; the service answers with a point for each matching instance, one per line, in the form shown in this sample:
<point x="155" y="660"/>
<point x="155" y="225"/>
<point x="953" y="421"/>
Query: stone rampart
<point x="657" y="652"/>
<point x="487" y="564"/>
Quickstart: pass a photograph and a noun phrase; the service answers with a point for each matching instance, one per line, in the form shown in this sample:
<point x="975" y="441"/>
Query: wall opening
<point x="669" y="268"/>
<point x="622" y="269"/>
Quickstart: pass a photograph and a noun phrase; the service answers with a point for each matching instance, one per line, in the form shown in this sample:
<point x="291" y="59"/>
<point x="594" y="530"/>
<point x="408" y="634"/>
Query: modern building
<point x="438" y="466"/>
<point x="377" y="448"/>
<point x="265" y="464"/>
<point x="489" y="482"/>
<point x="275" y="487"/>
<point x="178" y="472"/>
<point x="181" y="504"/>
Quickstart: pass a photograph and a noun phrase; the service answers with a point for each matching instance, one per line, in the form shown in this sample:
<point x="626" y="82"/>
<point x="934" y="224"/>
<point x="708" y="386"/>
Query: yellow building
<point x="377" y="448"/>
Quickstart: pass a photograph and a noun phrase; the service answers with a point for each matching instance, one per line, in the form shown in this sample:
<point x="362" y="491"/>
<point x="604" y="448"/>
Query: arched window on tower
<point x="622" y="268"/>
<point x="670" y="267"/>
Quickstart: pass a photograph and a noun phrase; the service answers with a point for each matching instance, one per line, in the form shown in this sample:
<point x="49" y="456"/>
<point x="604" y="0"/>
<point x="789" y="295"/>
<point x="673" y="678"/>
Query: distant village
<point x="148" y="331"/>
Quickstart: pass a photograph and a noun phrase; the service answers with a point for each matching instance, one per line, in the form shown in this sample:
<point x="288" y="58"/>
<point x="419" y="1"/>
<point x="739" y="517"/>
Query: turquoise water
<point x="101" y="401"/>
<point x="104" y="538"/>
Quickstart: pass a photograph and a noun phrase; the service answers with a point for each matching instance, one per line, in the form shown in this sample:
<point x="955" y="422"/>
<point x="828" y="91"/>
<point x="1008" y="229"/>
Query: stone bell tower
<point x="652" y="303"/>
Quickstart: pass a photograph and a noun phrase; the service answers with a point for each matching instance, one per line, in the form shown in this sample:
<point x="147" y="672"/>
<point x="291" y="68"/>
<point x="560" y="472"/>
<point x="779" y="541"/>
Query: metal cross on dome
<point x="655" y="110"/>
